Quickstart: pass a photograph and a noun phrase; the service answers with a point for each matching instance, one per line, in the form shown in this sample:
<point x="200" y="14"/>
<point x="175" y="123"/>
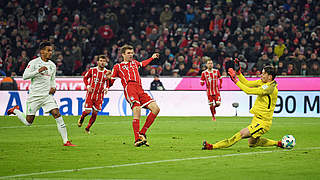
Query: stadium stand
<point x="185" y="32"/>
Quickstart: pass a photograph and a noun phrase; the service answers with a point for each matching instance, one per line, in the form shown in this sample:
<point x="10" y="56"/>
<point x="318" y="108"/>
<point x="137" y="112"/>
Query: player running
<point x="266" y="89"/>
<point x="128" y="72"/>
<point x="210" y="77"/>
<point x="98" y="77"/>
<point x="42" y="72"/>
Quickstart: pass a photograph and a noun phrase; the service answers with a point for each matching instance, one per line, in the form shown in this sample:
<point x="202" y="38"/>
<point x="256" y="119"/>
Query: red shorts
<point x="213" y="99"/>
<point x="93" y="104"/>
<point x="136" y="96"/>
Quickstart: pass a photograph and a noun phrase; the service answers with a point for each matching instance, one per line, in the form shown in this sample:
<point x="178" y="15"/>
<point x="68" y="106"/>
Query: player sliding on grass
<point x="42" y="72"/>
<point x="210" y="77"/>
<point x="99" y="76"/>
<point x="266" y="89"/>
<point x="133" y="92"/>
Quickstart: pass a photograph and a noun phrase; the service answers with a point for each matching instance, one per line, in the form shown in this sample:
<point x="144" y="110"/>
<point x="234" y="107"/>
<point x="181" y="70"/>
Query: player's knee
<point x="217" y="104"/>
<point x="252" y="142"/>
<point x="29" y="120"/>
<point x="156" y="110"/>
<point x="136" y="107"/>
<point x="95" y="112"/>
<point x="251" y="145"/>
<point x="243" y="134"/>
<point x="56" y="114"/>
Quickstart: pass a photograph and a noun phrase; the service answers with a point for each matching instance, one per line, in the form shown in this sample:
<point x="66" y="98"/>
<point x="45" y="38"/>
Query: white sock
<point x="62" y="129"/>
<point x="22" y="117"/>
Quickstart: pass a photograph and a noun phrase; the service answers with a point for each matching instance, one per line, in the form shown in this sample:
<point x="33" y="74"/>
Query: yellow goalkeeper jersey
<point x="267" y="96"/>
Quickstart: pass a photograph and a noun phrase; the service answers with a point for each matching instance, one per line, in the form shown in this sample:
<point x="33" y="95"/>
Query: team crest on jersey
<point x="125" y="67"/>
<point x="131" y="98"/>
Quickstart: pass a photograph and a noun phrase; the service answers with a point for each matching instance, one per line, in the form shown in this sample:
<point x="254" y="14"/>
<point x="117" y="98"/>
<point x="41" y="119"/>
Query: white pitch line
<point x="152" y="162"/>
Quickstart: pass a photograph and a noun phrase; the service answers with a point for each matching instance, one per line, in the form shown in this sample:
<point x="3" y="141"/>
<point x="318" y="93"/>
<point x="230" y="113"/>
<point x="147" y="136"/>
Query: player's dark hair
<point x="44" y="44"/>
<point x="125" y="47"/>
<point x="209" y="59"/>
<point x="102" y="57"/>
<point x="271" y="70"/>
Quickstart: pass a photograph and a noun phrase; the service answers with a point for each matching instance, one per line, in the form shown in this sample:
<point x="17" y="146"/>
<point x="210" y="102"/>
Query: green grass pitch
<point x="175" y="151"/>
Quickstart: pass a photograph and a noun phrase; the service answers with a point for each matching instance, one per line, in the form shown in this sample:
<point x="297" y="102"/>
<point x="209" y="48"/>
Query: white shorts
<point x="46" y="103"/>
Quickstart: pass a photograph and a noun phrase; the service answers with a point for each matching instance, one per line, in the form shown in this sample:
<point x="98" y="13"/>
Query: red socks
<point x="136" y="127"/>
<point x="151" y="117"/>
<point x="92" y="119"/>
<point x="84" y="114"/>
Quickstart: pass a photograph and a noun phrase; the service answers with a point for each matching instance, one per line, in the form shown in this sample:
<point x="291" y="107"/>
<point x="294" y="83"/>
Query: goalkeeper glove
<point x="237" y="66"/>
<point x="233" y="75"/>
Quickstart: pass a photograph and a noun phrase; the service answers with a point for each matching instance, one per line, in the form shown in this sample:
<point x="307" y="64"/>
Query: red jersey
<point x="97" y="80"/>
<point x="128" y="72"/>
<point x="211" y="79"/>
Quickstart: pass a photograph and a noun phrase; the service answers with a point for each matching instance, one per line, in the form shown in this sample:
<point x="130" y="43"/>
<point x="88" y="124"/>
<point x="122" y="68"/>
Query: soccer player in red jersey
<point x="128" y="72"/>
<point x="210" y="77"/>
<point x="95" y="80"/>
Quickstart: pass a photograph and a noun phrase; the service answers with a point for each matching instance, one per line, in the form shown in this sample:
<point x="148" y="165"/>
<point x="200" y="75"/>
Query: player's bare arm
<point x="109" y="74"/>
<point x="90" y="89"/>
<point x="43" y="68"/>
<point x="105" y="90"/>
<point x="52" y="90"/>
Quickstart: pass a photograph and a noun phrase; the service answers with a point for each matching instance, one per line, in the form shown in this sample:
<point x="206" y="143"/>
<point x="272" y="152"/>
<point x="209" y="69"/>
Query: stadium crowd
<point x="285" y="33"/>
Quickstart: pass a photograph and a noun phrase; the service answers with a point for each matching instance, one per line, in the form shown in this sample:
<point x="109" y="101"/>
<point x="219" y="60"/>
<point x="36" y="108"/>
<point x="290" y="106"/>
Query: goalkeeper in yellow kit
<point x="266" y="89"/>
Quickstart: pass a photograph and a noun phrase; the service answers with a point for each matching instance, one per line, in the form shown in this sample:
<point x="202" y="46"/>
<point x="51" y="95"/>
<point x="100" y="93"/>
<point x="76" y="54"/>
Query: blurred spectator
<point x="8" y="83"/>
<point x="281" y="69"/>
<point x="263" y="61"/>
<point x="178" y="15"/>
<point x="279" y="48"/>
<point x="303" y="69"/>
<point x="156" y="84"/>
<point x="254" y="71"/>
<point x="314" y="70"/>
<point x="194" y="71"/>
<point x="167" y="71"/>
<point x="291" y="70"/>
<point x="218" y="29"/>
<point x="166" y="15"/>
<point x="175" y="73"/>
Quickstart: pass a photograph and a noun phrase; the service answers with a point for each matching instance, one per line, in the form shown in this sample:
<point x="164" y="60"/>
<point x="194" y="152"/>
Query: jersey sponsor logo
<point x="264" y="86"/>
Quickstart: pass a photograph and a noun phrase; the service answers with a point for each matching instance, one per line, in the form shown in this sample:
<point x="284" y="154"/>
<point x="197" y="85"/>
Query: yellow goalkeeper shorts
<point x="258" y="127"/>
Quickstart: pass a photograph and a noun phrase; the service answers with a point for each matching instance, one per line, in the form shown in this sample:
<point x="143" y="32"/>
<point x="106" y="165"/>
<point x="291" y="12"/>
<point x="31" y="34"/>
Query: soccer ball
<point x="288" y="141"/>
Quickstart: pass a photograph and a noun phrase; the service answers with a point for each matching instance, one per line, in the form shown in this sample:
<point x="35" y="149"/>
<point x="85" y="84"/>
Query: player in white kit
<point x="42" y="72"/>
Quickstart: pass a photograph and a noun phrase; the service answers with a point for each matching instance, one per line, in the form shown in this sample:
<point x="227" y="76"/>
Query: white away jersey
<point x="40" y="82"/>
